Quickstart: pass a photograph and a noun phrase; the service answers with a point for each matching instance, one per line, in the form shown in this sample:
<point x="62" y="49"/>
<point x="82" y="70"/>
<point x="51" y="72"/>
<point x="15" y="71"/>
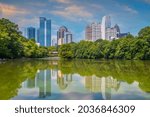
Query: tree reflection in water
<point x="101" y="76"/>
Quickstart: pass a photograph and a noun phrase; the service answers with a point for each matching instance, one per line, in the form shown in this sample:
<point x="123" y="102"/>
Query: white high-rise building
<point x="106" y="23"/>
<point x="64" y="36"/>
<point x="93" y="32"/>
<point x="103" y="31"/>
<point x="96" y="31"/>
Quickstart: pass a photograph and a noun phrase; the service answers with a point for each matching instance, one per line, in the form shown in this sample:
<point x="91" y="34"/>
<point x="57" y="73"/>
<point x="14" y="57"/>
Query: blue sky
<point x="130" y="15"/>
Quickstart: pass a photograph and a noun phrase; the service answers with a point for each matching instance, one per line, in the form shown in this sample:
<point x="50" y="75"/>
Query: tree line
<point x="14" y="45"/>
<point x="128" y="48"/>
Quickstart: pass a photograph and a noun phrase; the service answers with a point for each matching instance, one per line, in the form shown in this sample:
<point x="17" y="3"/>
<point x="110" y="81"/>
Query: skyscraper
<point x="88" y="33"/>
<point x="68" y="37"/>
<point x="106" y="23"/>
<point x="103" y="31"/>
<point x="31" y="33"/>
<point x="64" y="36"/>
<point x="93" y="32"/>
<point x="45" y="32"/>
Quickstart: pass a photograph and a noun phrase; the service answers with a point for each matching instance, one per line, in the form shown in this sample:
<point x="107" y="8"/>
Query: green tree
<point x="65" y="51"/>
<point x="10" y="40"/>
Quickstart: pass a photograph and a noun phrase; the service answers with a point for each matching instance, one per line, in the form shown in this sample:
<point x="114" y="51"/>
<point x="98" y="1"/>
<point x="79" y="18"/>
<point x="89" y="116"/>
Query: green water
<point x="77" y="79"/>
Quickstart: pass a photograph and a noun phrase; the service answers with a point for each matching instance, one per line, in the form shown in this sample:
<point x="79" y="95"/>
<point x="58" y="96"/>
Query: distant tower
<point x="31" y="33"/>
<point x="88" y="33"/>
<point x="45" y="32"/>
<point x="117" y="29"/>
<point x="63" y="36"/>
<point x="93" y="32"/>
<point x="106" y="23"/>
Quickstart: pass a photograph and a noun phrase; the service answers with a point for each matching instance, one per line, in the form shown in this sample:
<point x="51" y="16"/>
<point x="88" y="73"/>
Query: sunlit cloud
<point x="10" y="10"/>
<point x="96" y="6"/>
<point x="73" y="12"/>
<point x="130" y="10"/>
<point x="62" y="1"/>
<point x="24" y="22"/>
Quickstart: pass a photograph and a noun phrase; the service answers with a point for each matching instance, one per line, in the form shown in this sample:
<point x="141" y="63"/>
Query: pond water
<point x="74" y="80"/>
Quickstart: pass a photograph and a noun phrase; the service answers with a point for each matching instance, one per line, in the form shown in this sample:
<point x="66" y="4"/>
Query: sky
<point x="130" y="15"/>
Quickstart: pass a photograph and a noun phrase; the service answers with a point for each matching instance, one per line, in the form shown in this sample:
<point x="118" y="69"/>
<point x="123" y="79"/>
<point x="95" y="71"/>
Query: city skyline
<point x="103" y="30"/>
<point x="77" y="14"/>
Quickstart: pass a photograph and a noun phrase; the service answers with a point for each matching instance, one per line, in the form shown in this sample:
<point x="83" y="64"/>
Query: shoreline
<point x="59" y="58"/>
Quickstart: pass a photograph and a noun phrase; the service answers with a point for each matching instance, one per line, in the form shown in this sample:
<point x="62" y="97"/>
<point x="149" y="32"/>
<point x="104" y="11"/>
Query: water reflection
<point x="102" y="85"/>
<point x="77" y="79"/>
<point x="63" y="80"/>
<point x="42" y="83"/>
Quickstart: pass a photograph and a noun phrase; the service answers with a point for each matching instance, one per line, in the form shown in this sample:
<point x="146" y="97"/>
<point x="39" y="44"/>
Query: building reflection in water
<point x="103" y="85"/>
<point x="42" y="82"/>
<point x="63" y="80"/>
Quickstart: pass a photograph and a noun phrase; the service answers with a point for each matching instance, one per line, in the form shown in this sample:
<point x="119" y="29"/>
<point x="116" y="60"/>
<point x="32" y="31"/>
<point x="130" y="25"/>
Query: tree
<point x="144" y="33"/>
<point x="10" y="40"/>
<point x="65" y="51"/>
<point x="14" y="45"/>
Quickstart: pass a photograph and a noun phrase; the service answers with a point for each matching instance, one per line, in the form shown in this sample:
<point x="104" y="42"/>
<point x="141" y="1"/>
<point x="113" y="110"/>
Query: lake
<point x="74" y="80"/>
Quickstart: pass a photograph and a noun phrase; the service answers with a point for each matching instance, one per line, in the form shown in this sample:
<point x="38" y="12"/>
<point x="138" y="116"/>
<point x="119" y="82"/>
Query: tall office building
<point x="31" y="33"/>
<point x="68" y="37"/>
<point x="93" y="32"/>
<point x="44" y="32"/>
<point x="106" y="24"/>
<point x="103" y="31"/>
<point x="64" y="36"/>
<point x="112" y="33"/>
<point x="88" y="33"/>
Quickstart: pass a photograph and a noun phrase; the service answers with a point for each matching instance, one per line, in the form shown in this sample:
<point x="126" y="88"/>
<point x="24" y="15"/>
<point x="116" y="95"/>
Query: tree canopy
<point x="128" y="47"/>
<point x="14" y="45"/>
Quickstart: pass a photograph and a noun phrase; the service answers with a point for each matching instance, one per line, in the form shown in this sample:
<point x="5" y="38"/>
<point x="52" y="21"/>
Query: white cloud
<point x="73" y="12"/>
<point x="130" y="10"/>
<point x="96" y="6"/>
<point x="10" y="10"/>
<point x="25" y="22"/>
<point x="62" y="1"/>
<point x="55" y="27"/>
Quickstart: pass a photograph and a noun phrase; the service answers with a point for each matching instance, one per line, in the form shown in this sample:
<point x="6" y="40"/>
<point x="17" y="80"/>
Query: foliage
<point x="123" y="71"/>
<point x="65" y="51"/>
<point x="129" y="48"/>
<point x="14" y="45"/>
<point x="10" y="40"/>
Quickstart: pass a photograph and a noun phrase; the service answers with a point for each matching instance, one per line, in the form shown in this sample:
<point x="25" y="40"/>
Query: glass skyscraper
<point x="31" y="33"/>
<point x="106" y="23"/>
<point x="64" y="36"/>
<point x="44" y="37"/>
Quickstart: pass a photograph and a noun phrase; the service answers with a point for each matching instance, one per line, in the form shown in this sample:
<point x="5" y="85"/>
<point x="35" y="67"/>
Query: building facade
<point x="31" y="33"/>
<point x="106" y="25"/>
<point x="93" y="32"/>
<point x="64" y="36"/>
<point x="113" y="33"/>
<point x="103" y="30"/>
<point x="44" y="38"/>
<point x="88" y="33"/>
